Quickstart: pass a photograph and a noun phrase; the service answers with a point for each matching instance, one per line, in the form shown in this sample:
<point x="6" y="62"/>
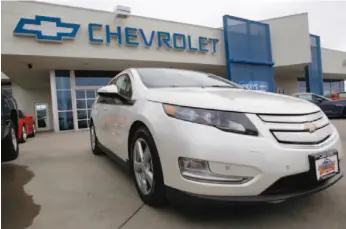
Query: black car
<point x="9" y="127"/>
<point x="332" y="108"/>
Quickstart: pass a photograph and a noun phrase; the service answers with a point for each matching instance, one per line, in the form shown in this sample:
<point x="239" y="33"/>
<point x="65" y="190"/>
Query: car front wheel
<point x="33" y="134"/>
<point x="9" y="145"/>
<point x="24" y="135"/>
<point x="146" y="168"/>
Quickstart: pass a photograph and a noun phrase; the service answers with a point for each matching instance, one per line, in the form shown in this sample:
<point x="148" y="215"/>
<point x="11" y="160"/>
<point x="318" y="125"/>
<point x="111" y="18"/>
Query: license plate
<point x="326" y="165"/>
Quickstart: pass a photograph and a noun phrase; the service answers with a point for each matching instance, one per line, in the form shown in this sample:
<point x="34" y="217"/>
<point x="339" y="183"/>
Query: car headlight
<point x="223" y="120"/>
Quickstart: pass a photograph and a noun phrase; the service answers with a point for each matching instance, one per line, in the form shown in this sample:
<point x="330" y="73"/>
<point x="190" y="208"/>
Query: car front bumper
<point x="186" y="197"/>
<point x="228" y="154"/>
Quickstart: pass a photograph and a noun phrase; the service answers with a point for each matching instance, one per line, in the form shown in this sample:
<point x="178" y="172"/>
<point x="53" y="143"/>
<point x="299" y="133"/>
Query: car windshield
<point x="342" y="95"/>
<point x="160" y="78"/>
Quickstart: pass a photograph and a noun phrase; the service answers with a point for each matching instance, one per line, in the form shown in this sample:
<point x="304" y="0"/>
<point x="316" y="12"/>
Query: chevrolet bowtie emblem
<point x="46" y="28"/>
<point x="310" y="127"/>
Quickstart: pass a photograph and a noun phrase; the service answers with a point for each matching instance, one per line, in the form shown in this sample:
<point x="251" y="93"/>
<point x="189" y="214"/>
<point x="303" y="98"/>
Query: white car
<point x="191" y="134"/>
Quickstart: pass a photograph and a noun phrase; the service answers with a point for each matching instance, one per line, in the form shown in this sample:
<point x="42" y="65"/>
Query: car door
<point x="119" y="116"/>
<point x="98" y="115"/>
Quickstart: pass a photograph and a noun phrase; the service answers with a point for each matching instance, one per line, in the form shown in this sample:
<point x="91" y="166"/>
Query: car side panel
<point x="99" y="121"/>
<point x="29" y="124"/>
<point x="21" y="123"/>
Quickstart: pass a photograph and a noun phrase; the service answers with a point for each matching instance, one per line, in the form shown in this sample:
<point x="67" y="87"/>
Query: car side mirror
<point x="108" y="90"/>
<point x="319" y="100"/>
<point x="112" y="91"/>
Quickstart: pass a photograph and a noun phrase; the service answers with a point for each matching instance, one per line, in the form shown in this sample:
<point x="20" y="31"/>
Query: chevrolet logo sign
<point x="310" y="127"/>
<point x="46" y="28"/>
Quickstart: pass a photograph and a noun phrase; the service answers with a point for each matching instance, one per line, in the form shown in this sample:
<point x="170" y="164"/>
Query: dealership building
<point x="56" y="57"/>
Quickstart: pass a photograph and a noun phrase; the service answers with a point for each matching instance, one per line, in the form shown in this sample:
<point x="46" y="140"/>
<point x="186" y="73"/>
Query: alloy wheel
<point x="143" y="166"/>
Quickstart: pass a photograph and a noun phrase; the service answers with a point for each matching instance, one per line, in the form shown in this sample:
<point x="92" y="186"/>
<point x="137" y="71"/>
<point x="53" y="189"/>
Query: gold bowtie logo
<point x="310" y="127"/>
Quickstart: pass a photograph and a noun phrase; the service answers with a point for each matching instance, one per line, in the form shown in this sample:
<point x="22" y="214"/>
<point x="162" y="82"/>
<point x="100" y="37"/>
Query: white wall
<point x="290" y="39"/>
<point x="26" y="99"/>
<point x="81" y="47"/>
<point x="333" y="61"/>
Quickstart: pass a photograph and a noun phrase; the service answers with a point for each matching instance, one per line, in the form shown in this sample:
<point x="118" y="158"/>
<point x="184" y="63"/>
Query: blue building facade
<point x="249" y="58"/>
<point x="248" y="53"/>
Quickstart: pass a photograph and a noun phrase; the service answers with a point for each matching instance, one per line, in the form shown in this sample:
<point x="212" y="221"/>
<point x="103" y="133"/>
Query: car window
<point x="320" y="98"/>
<point x="123" y="83"/>
<point x="160" y="78"/>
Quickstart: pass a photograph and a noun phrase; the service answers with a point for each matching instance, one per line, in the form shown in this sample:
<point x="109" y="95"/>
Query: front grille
<point x="294" y="183"/>
<point x="309" y="129"/>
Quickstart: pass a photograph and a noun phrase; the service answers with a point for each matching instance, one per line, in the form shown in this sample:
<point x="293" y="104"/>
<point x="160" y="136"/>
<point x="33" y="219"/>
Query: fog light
<point x="198" y="170"/>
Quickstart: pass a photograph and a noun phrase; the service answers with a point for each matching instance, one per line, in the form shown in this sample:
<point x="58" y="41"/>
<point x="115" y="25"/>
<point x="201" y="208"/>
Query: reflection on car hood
<point x="230" y="99"/>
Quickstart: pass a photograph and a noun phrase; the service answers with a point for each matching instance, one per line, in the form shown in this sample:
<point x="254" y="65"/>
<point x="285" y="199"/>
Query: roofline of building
<point x="110" y="12"/>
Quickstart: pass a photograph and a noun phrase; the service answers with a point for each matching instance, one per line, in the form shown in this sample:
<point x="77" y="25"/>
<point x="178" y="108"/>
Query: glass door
<point x="42" y="116"/>
<point x="84" y="102"/>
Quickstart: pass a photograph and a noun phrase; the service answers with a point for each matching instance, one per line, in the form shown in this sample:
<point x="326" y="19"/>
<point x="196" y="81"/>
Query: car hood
<point x="239" y="100"/>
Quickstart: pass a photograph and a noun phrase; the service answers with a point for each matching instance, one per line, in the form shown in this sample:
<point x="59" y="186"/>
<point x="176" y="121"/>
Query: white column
<point x="54" y="101"/>
<point x="73" y="97"/>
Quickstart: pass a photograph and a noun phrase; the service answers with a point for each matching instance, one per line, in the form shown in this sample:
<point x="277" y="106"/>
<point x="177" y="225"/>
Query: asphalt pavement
<point x="58" y="183"/>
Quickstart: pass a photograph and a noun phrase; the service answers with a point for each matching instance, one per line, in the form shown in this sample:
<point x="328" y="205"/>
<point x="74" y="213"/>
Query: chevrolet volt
<point x="193" y="134"/>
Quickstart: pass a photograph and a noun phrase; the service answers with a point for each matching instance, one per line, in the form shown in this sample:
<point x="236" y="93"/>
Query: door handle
<point x="105" y="108"/>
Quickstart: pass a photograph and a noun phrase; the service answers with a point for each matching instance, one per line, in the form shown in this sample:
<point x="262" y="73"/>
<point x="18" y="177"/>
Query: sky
<point x="326" y="18"/>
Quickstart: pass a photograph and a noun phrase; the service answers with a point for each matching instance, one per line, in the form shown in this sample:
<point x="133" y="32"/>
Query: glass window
<point x="326" y="88"/>
<point x="93" y="78"/>
<point x="335" y="86"/>
<point x="90" y="94"/>
<point x="81" y="104"/>
<point x="342" y="95"/>
<point x="82" y="124"/>
<point x="158" y="78"/>
<point x="301" y="86"/>
<point x="66" y="120"/>
<point x="89" y="113"/>
<point x="64" y="100"/>
<point x="62" y="79"/>
<point x="90" y="103"/>
<point x="124" y="85"/>
<point x="80" y="94"/>
<point x="82" y="114"/>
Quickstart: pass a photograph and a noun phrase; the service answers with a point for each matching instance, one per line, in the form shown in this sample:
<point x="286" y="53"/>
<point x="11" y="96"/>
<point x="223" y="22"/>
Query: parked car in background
<point x="26" y="126"/>
<point x="9" y="127"/>
<point x="337" y="96"/>
<point x="192" y="134"/>
<point x="332" y="108"/>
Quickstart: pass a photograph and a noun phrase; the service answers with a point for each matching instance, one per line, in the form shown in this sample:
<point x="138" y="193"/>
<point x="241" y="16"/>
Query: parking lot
<point x="58" y="183"/>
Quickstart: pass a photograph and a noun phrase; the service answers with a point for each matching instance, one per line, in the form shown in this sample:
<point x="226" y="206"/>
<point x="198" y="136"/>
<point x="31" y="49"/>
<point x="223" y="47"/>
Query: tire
<point x="24" y="135"/>
<point x="33" y="134"/>
<point x="154" y="193"/>
<point x="94" y="143"/>
<point x="9" y="145"/>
